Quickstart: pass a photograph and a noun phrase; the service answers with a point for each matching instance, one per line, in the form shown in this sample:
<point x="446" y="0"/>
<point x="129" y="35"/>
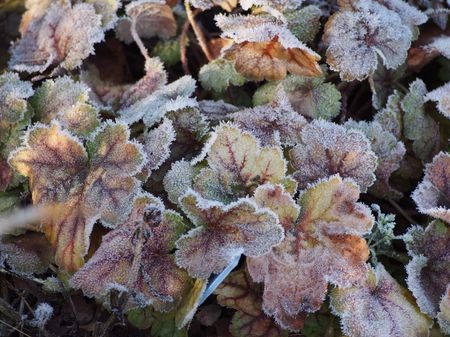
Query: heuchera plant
<point x="217" y="168"/>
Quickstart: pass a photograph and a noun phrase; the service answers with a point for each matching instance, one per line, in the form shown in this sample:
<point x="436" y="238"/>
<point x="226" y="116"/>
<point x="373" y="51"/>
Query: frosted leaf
<point x="215" y="111"/>
<point x="152" y="108"/>
<point x="390" y="153"/>
<point x="390" y="118"/>
<point x="273" y="124"/>
<point x="409" y="14"/>
<point x="224" y="232"/>
<point x="440" y="44"/>
<point x="227" y="5"/>
<point x="189" y="123"/>
<point x="432" y="195"/>
<point x="237" y="164"/>
<point x="219" y="74"/>
<point x="327" y="148"/>
<point x="312" y="97"/>
<point x="13" y="98"/>
<point x="92" y="185"/>
<point x="25" y="254"/>
<point x="64" y="36"/>
<point x="264" y="48"/>
<point x="274" y="7"/>
<point x="190" y="303"/>
<point x="382" y="83"/>
<point x="108" y="11"/>
<point x="443" y="316"/>
<point x="304" y="23"/>
<point x="179" y="179"/>
<point x="157" y="145"/>
<point x="324" y="245"/>
<point x="154" y="79"/>
<point x="356" y="38"/>
<point x="441" y="95"/>
<point x="42" y="314"/>
<point x="66" y="101"/>
<point x="240" y="293"/>
<point x="138" y="256"/>
<point x="378" y="307"/>
<point x="429" y="269"/>
<point x="150" y="18"/>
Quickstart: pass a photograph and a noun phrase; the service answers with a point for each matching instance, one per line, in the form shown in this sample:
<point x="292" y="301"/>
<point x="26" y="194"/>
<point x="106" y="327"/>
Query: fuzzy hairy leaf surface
<point x="237" y="164"/>
<point x="219" y="74"/>
<point x="323" y="244"/>
<point x="379" y="307"/>
<point x="138" y="255"/>
<point x="274" y="123"/>
<point x="432" y="195"/>
<point x="13" y="97"/>
<point x="389" y="152"/>
<point x="93" y="184"/>
<point x="240" y="293"/>
<point x="152" y="108"/>
<point x="327" y="148"/>
<point x="358" y="34"/>
<point x="441" y="97"/>
<point x="429" y="269"/>
<point x="304" y="23"/>
<point x="63" y="35"/>
<point x="223" y="232"/>
<point x="66" y="101"/>
<point x="147" y="18"/>
<point x="264" y="48"/>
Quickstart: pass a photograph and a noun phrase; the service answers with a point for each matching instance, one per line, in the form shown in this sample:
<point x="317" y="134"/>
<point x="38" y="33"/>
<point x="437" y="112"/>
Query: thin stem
<point x="198" y="31"/>
<point x="138" y="40"/>
<point x="183" y="42"/>
<point x="14" y="328"/>
<point x="402" y="212"/>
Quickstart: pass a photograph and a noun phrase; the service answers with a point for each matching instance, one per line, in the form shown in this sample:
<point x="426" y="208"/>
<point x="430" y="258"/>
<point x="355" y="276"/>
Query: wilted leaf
<point x="219" y="74"/>
<point x="63" y="36"/>
<point x="25" y="254"/>
<point x="327" y="148"/>
<point x="358" y="34"/>
<point x="264" y="48"/>
<point x="148" y="18"/>
<point x="304" y="23"/>
<point x="324" y="245"/>
<point x="223" y="232"/>
<point x="92" y="185"/>
<point x="237" y="165"/>
<point x="429" y="269"/>
<point x="66" y="101"/>
<point x="378" y="307"/>
<point x="273" y="124"/>
<point x="390" y="153"/>
<point x="138" y="256"/>
<point x="152" y="108"/>
<point x="13" y="100"/>
<point x="240" y="293"/>
<point x="441" y="95"/>
<point x="432" y="195"/>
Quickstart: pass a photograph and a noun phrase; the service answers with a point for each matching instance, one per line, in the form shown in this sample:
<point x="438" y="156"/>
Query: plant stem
<point x="198" y="31"/>
<point x="402" y="212"/>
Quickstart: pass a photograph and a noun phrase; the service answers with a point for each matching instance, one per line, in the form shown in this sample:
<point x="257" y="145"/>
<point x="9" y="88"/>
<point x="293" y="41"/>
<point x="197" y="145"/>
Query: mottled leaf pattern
<point x="224" y="232"/>
<point x="327" y="148"/>
<point x="61" y="171"/>
<point x="379" y="307"/>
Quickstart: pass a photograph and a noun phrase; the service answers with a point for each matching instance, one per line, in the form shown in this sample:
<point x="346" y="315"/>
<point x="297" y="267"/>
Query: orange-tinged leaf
<point x="137" y="255"/>
<point x="94" y="184"/>
<point x="223" y="232"/>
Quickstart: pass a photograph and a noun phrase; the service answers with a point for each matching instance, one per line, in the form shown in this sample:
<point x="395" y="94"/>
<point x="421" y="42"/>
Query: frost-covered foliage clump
<point x="240" y="168"/>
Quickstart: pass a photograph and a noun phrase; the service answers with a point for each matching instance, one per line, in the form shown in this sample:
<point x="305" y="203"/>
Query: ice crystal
<point x="441" y="95"/>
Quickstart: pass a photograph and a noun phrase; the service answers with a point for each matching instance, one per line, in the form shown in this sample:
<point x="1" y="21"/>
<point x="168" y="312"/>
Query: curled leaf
<point x="379" y="307"/>
<point x="274" y="123"/>
<point x="66" y="101"/>
<point x="432" y="195"/>
<point x="264" y="48"/>
<point x="64" y="36"/>
<point x="389" y="152"/>
<point x="323" y="244"/>
<point x="327" y="148"/>
<point x="358" y="34"/>
<point x="223" y="232"/>
<point x="148" y="18"/>
<point x="429" y="269"/>
<point x="97" y="184"/>
<point x="441" y="96"/>
<point x="138" y="256"/>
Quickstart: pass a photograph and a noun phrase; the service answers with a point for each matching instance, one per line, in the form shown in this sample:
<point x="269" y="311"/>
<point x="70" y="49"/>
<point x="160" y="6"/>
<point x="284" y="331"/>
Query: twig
<point x="183" y="41"/>
<point x="198" y="31"/>
<point x="14" y="328"/>
<point x="402" y="212"/>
